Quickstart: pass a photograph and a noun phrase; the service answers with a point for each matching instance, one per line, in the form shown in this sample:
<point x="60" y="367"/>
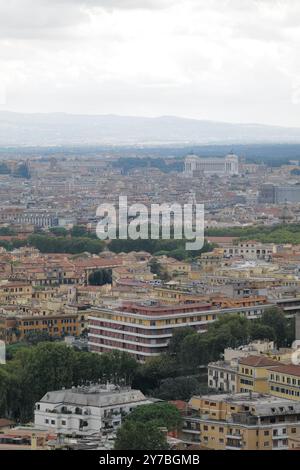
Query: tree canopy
<point x="140" y="436"/>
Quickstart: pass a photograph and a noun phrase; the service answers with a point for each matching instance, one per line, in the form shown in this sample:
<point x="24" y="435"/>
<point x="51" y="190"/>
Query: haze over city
<point x="220" y="60"/>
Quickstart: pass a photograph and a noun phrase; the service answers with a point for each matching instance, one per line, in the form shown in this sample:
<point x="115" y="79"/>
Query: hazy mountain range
<point x="18" y="129"/>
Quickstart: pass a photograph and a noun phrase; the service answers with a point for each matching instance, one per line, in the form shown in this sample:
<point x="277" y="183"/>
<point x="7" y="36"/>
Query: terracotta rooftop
<point x="5" y="422"/>
<point x="92" y="263"/>
<point x="257" y="361"/>
<point x="290" y="369"/>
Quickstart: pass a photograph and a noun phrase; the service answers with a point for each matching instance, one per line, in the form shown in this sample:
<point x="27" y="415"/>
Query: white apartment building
<point x="84" y="411"/>
<point x="223" y="376"/>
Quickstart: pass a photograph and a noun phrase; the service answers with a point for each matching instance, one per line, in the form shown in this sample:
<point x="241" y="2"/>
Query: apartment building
<point x="247" y="370"/>
<point x="55" y="325"/>
<point x="241" y="422"/>
<point x="223" y="376"/>
<point x="251" y="249"/>
<point x="284" y="381"/>
<point x="15" y="293"/>
<point x="243" y="369"/>
<point x="8" y="332"/>
<point x="253" y="373"/>
<point x="86" y="410"/>
<point x="144" y="329"/>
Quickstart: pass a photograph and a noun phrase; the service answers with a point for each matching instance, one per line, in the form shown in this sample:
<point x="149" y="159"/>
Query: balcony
<point x="191" y="431"/>
<point x="282" y="447"/>
<point x="233" y="442"/>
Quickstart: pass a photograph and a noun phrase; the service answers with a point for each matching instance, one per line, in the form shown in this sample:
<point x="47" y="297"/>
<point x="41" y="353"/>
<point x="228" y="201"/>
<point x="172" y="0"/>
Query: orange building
<point x="55" y="325"/>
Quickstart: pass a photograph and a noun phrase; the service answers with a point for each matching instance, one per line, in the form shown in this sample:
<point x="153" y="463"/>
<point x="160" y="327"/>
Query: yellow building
<point x="284" y="381"/>
<point x="253" y="374"/>
<point x="55" y="325"/>
<point x="15" y="293"/>
<point x="241" y="422"/>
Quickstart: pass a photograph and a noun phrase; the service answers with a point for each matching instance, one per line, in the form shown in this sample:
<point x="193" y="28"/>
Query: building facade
<point x="144" y="330"/>
<point x="84" y="411"/>
<point x="275" y="194"/>
<point x="227" y="166"/>
<point x="223" y="376"/>
<point x="284" y="381"/>
<point x="241" y="422"/>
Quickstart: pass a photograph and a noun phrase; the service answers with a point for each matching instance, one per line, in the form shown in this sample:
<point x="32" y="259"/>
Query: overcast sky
<point x="226" y="60"/>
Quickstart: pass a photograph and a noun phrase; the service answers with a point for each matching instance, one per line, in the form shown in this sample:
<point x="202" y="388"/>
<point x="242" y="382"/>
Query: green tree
<point x="140" y="436"/>
<point x="36" y="337"/>
<point x="78" y="231"/>
<point x="7" y="231"/>
<point x="195" y="351"/>
<point x="161" y="414"/>
<point x="149" y="375"/>
<point x="100" y="277"/>
<point x="275" y="319"/>
<point x="4" y="387"/>
<point x="259" y="331"/>
<point x="180" y="388"/>
<point x="59" y="231"/>
<point x="178" y="336"/>
<point x="47" y="366"/>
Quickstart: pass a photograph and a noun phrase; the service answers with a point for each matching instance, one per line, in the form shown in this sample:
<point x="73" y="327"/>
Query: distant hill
<point x="66" y="129"/>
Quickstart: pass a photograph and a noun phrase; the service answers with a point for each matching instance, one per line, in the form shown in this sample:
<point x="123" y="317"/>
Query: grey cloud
<point x="37" y="18"/>
<point x="47" y="18"/>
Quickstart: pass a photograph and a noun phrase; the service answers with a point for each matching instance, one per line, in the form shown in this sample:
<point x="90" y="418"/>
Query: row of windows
<point x="247" y="371"/>
<point x="246" y="382"/>
<point x="285" y="379"/>
<point x="48" y="322"/>
<point x="55" y="330"/>
<point x="285" y="391"/>
<point x="221" y="374"/>
<point x="209" y="317"/>
<point x="53" y="422"/>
